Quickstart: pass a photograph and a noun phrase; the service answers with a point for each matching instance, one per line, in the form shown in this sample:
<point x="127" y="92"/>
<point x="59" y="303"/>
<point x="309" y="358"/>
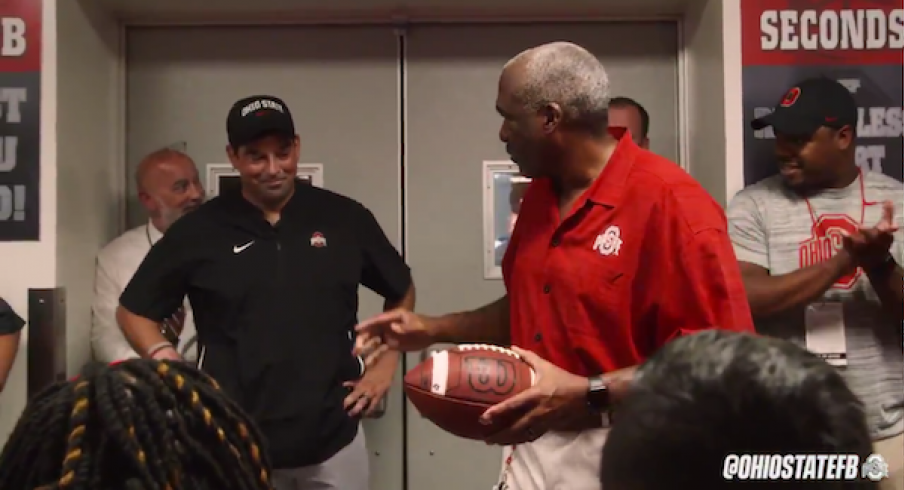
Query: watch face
<point x="598" y="395"/>
<point x="596" y="383"/>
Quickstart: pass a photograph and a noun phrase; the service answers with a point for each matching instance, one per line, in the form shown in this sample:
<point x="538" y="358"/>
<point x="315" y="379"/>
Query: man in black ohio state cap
<point x="272" y="270"/>
<point x="820" y="247"/>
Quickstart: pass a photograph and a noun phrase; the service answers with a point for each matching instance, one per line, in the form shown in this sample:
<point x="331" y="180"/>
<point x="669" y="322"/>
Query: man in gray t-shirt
<point x="819" y="247"/>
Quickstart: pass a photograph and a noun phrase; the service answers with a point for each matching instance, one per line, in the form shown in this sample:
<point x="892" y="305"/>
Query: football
<point x="454" y="387"/>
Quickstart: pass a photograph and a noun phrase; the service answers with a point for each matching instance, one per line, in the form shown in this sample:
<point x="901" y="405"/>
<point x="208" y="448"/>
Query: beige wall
<point x="704" y="30"/>
<point x="80" y="109"/>
<point x="90" y="172"/>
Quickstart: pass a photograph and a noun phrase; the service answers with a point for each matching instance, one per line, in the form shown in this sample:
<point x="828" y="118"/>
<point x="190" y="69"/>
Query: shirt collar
<point x="153" y="234"/>
<point x="236" y="204"/>
<point x="609" y="187"/>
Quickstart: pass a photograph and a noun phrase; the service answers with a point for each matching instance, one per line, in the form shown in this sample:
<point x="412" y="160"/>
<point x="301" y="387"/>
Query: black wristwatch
<point x="884" y="268"/>
<point x="598" y="395"/>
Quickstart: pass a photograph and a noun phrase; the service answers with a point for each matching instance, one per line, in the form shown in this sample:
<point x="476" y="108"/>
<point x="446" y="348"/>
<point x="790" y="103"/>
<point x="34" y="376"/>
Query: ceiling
<point x="354" y="11"/>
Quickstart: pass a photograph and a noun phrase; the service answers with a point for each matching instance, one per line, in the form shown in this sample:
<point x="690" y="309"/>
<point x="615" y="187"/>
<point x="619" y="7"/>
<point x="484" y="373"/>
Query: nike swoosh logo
<point x="241" y="248"/>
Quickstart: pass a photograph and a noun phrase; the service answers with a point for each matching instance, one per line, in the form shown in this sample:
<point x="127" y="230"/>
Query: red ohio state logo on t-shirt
<point x="828" y="234"/>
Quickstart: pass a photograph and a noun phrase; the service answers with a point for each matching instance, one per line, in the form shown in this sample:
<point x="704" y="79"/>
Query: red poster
<point x="20" y="119"/>
<point x="821" y="32"/>
<point x="20" y="27"/>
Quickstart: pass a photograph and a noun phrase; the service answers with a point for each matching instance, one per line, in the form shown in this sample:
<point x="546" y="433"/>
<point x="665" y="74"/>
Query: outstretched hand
<point x="398" y="329"/>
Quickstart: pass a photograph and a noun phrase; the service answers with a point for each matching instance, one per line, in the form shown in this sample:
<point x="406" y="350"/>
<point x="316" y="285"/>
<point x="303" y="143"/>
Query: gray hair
<point x="566" y="74"/>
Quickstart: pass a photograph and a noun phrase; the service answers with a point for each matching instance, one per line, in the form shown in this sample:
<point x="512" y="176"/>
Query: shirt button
<point x="547" y="288"/>
<point x="538" y="337"/>
<point x="556" y="242"/>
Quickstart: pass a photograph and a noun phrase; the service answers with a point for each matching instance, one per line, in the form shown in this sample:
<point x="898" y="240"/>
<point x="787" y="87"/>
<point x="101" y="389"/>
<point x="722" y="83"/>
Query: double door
<point x="401" y="125"/>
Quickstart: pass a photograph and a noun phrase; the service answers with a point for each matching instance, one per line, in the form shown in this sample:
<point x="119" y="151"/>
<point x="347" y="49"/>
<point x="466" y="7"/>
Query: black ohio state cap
<point x="256" y="116"/>
<point x="810" y="104"/>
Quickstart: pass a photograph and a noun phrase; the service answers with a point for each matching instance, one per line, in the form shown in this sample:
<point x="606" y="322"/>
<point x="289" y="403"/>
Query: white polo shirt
<point x="116" y="264"/>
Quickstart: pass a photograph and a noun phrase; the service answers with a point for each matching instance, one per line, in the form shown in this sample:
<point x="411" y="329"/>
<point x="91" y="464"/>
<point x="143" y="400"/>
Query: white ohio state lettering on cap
<point x="262" y="104"/>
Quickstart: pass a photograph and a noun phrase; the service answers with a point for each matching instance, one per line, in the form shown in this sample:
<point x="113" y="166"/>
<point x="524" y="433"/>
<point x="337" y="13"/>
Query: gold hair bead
<point x="80" y="405"/>
<point x="76" y="432"/>
<point x="72" y="455"/>
<point x="66" y="480"/>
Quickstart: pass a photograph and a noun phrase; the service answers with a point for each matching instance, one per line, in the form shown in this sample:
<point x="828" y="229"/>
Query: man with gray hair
<point x="616" y="252"/>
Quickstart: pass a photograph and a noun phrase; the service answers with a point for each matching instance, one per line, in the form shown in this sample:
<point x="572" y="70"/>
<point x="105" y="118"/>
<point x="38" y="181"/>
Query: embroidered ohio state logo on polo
<point x="791" y="97"/>
<point x="318" y="240"/>
<point x="826" y="240"/>
<point x="608" y="242"/>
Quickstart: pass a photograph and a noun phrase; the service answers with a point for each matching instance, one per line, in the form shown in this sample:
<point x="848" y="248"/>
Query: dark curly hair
<point x="136" y="425"/>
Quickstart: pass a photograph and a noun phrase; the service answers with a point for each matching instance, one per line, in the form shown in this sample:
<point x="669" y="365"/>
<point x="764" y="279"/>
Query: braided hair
<point x="136" y="425"/>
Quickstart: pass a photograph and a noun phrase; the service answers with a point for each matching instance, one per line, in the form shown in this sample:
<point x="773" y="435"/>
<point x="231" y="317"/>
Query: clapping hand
<point x="869" y="246"/>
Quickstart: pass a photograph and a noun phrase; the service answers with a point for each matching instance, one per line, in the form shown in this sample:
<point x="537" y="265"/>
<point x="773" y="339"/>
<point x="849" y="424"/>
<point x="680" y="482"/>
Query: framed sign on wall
<point x="221" y="176"/>
<point x="775" y="58"/>
<point x="503" y="190"/>
<point x="20" y="122"/>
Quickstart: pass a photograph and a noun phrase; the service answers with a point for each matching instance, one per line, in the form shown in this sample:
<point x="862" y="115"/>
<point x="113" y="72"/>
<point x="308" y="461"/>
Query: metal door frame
<point x="398" y="22"/>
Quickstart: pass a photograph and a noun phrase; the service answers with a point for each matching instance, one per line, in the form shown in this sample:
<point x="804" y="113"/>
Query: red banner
<point x="20" y="119"/>
<point x="822" y="32"/>
<point x="20" y="28"/>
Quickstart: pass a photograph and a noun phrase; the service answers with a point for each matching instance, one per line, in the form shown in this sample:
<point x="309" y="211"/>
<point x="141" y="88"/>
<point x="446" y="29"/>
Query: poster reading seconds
<point x="20" y="123"/>
<point x="859" y="43"/>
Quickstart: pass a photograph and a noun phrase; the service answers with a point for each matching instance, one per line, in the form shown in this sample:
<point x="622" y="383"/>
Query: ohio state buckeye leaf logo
<point x="827" y="239"/>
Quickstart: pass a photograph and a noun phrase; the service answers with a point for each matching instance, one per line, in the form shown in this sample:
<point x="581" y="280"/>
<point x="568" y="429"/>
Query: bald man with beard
<point x="168" y="187"/>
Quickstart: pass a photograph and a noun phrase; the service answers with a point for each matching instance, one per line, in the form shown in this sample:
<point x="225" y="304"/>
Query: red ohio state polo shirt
<point x="644" y="256"/>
